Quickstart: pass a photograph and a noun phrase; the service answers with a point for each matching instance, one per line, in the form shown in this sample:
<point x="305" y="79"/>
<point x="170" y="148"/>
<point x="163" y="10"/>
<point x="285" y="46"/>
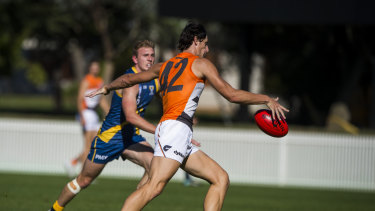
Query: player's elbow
<point x="132" y="119"/>
<point x="232" y="97"/>
<point x="126" y="81"/>
<point x="230" y="94"/>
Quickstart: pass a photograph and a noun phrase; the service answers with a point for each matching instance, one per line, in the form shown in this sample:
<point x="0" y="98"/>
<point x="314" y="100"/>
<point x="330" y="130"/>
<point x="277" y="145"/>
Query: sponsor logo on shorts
<point x="166" y="147"/>
<point x="101" y="157"/>
<point x="179" y="153"/>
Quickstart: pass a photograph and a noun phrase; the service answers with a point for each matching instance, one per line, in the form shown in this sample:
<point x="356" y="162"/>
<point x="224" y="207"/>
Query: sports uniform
<point x="116" y="134"/>
<point x="180" y="92"/>
<point x="89" y="105"/>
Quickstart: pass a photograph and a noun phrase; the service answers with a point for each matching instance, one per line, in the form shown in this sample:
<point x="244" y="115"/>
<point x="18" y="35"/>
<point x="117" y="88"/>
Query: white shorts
<point x="173" y="140"/>
<point x="91" y="120"/>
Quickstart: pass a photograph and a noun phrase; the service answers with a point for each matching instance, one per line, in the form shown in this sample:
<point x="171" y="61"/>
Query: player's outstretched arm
<point x="128" y="80"/>
<point x="205" y="69"/>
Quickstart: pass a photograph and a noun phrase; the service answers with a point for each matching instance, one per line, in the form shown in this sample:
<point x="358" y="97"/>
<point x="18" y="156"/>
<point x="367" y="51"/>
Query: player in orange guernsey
<point x="182" y="81"/>
<point x="88" y="115"/>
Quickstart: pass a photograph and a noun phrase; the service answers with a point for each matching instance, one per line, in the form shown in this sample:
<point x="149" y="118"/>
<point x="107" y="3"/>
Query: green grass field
<point x="38" y="192"/>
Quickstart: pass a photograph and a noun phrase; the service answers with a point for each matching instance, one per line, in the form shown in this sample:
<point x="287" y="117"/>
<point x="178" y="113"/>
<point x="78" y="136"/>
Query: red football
<point x="275" y="128"/>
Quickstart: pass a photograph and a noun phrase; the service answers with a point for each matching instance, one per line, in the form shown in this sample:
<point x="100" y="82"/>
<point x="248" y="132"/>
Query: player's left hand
<point x="100" y="91"/>
<point x="196" y="143"/>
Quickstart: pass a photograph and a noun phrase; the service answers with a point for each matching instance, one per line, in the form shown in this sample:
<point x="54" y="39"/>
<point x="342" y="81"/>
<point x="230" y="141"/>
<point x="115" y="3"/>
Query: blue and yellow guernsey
<point x="115" y="128"/>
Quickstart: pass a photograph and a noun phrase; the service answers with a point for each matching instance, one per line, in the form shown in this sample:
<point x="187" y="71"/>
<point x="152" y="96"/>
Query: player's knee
<point x="83" y="182"/>
<point x="226" y="180"/>
<point x="158" y="189"/>
<point x="74" y="187"/>
<point x="222" y="179"/>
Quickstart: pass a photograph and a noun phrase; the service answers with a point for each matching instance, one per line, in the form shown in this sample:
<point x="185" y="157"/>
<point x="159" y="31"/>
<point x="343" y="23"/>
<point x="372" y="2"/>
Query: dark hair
<point x="142" y="43"/>
<point x="187" y="35"/>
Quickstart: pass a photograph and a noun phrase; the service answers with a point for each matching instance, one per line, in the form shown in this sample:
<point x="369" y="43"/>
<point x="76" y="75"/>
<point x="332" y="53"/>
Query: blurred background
<point x="317" y="56"/>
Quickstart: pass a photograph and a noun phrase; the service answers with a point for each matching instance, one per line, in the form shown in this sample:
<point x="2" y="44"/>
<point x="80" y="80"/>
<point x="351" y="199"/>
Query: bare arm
<point x="203" y="68"/>
<point x="129" y="105"/>
<point x="129" y="80"/>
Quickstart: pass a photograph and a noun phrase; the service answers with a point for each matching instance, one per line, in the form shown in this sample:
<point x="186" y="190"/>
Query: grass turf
<point x="38" y="192"/>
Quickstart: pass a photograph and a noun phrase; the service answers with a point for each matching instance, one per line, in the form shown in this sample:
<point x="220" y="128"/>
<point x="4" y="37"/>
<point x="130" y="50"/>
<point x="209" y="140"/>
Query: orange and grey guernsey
<point x="94" y="83"/>
<point x="180" y="88"/>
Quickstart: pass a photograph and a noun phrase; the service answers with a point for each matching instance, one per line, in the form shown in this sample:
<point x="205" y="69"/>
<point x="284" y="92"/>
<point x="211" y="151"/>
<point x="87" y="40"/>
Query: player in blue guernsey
<point x="119" y="134"/>
<point x="118" y="129"/>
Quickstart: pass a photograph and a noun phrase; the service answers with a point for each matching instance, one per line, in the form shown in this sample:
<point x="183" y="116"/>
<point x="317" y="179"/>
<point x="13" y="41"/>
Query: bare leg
<point x="140" y="154"/>
<point x="89" y="136"/>
<point x="143" y="180"/>
<point x="162" y="170"/>
<point x="201" y="165"/>
<point x="89" y="172"/>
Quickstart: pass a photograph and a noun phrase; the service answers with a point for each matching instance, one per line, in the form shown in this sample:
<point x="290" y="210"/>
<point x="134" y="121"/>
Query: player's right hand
<point x="276" y="108"/>
<point x="100" y="91"/>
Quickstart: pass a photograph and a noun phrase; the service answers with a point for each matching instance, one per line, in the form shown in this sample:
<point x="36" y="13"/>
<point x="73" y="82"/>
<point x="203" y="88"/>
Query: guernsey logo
<point x="151" y="90"/>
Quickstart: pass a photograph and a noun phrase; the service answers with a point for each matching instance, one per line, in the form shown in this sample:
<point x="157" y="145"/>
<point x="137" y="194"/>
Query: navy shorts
<point x="104" y="152"/>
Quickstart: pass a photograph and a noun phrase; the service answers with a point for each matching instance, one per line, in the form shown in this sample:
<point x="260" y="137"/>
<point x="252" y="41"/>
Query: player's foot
<point x="70" y="168"/>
